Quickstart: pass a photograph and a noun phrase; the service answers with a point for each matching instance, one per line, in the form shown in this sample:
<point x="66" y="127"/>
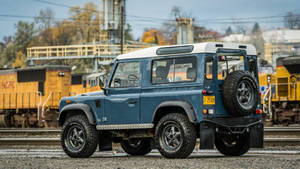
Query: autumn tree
<point x="44" y="22"/>
<point x="45" y="19"/>
<point x="63" y="32"/>
<point x="153" y="36"/>
<point x="169" y="28"/>
<point x="86" y="21"/>
<point x="20" y="60"/>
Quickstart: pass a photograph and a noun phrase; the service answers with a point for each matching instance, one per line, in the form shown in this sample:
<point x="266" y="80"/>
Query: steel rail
<point x="267" y="130"/>
<point x="56" y="141"/>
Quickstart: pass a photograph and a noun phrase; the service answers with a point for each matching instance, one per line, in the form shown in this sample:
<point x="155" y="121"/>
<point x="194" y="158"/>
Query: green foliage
<point x="256" y="28"/>
<point x="83" y="26"/>
<point x="24" y="35"/>
<point x="8" y="55"/>
<point x="128" y="35"/>
<point x="228" y="31"/>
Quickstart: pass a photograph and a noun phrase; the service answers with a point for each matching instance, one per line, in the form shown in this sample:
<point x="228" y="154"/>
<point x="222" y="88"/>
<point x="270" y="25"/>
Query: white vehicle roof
<point x="208" y="47"/>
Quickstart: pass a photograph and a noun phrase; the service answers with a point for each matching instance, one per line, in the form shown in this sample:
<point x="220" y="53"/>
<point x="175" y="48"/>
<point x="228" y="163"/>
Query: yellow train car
<point x="83" y="83"/>
<point x="30" y="96"/>
<point x="283" y="104"/>
<point x="78" y="84"/>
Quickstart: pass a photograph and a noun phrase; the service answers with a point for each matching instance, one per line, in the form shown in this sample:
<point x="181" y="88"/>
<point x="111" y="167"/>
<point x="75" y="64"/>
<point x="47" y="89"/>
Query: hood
<point x="97" y="93"/>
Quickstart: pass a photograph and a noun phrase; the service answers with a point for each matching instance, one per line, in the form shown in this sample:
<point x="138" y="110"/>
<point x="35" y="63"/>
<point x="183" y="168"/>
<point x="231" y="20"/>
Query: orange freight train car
<point x="30" y="97"/>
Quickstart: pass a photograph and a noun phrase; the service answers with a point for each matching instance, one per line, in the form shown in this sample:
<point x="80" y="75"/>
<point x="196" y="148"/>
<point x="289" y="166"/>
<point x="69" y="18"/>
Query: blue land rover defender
<point x="166" y="97"/>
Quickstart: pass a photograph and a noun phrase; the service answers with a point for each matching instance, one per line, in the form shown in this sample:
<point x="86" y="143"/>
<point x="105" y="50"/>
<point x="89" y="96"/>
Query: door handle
<point x="132" y="102"/>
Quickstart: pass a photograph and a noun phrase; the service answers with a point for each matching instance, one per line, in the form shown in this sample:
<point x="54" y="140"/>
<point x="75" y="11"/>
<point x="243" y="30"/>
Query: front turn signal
<point x="204" y="111"/>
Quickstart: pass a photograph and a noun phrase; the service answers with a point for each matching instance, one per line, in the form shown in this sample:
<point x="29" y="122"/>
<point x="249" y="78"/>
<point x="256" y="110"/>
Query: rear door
<point x="217" y="67"/>
<point x="227" y="61"/>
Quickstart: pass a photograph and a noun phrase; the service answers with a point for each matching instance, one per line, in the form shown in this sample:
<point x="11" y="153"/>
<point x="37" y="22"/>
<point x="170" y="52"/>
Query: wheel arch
<point x="76" y="109"/>
<point x="171" y="106"/>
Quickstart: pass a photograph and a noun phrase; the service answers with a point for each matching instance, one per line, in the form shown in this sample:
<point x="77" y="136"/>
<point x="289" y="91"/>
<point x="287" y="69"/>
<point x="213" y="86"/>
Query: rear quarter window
<point x="174" y="70"/>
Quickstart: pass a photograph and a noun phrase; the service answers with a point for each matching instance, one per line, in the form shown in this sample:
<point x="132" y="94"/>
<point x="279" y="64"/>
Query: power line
<point x="67" y="6"/>
<point x="242" y="20"/>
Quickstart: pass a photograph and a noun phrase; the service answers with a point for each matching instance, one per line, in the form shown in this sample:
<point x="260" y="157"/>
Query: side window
<point x="174" y="70"/>
<point x="209" y="67"/>
<point x="126" y="75"/>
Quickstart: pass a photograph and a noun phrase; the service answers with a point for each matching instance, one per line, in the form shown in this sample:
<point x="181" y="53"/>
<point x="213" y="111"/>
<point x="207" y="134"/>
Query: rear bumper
<point x="235" y="122"/>
<point x="253" y="126"/>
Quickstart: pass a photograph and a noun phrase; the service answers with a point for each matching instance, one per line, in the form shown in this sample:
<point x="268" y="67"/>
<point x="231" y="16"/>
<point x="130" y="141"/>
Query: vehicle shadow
<point x="159" y="156"/>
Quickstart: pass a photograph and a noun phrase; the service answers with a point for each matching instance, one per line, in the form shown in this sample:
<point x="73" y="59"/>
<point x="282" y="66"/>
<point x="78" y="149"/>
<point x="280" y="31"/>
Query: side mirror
<point x="102" y="83"/>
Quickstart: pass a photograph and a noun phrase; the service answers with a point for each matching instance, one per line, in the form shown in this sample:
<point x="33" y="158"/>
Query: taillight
<point x="258" y="111"/>
<point x="204" y="92"/>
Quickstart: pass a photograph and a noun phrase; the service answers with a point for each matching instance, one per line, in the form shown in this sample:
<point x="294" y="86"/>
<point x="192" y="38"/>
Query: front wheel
<point x="175" y="136"/>
<point x="233" y="144"/>
<point x="136" y="147"/>
<point x="79" y="138"/>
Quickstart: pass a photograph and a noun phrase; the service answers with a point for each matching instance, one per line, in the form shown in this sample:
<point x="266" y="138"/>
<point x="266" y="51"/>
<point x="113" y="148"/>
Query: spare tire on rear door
<point x="240" y="93"/>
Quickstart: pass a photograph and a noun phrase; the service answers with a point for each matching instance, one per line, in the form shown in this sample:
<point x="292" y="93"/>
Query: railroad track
<point x="274" y="136"/>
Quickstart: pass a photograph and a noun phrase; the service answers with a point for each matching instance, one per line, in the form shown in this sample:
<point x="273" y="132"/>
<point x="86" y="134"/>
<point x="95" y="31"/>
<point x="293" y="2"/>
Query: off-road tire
<point x="230" y="93"/>
<point x="187" y="131"/>
<point x="89" y="135"/>
<point x="241" y="147"/>
<point x="143" y="147"/>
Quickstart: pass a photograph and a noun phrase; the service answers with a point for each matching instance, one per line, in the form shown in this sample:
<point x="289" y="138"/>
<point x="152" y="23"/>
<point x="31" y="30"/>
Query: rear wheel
<point x="233" y="144"/>
<point x="79" y="138"/>
<point x="175" y="136"/>
<point x="137" y="146"/>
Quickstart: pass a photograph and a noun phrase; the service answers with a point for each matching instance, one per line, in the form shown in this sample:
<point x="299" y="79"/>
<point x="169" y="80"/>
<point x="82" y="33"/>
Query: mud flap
<point x="257" y="136"/>
<point x="207" y="136"/>
<point x="105" y="141"/>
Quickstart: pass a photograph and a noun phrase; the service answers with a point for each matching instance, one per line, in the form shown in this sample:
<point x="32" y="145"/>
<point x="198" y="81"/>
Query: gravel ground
<point x="55" y="158"/>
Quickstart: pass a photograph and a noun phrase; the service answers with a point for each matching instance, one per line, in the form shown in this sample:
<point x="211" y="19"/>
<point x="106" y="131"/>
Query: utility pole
<point x="122" y="30"/>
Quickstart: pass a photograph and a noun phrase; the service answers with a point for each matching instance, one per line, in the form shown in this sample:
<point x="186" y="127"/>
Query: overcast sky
<point x="151" y="13"/>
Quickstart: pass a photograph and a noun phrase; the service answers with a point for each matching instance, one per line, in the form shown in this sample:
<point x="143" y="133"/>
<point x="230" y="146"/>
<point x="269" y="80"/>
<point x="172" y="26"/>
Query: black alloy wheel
<point x="245" y="94"/>
<point x="175" y="136"/>
<point x="79" y="138"/>
<point x="172" y="136"/>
